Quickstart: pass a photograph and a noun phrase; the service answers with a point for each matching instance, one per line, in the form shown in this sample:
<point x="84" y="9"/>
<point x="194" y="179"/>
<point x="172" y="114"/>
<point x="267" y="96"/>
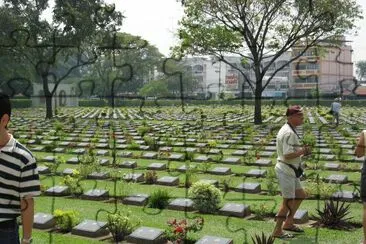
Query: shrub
<point x="178" y="229"/>
<point x="206" y="197"/>
<point x="73" y="182"/>
<point x="151" y="177"/>
<point x="262" y="239"/>
<point x="334" y="215"/>
<point x="66" y="220"/>
<point x="121" y="225"/>
<point x="159" y="199"/>
<point x="262" y="211"/>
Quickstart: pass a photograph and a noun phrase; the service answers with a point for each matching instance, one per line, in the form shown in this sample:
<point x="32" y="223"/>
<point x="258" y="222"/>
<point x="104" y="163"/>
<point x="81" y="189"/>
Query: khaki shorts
<point x="288" y="184"/>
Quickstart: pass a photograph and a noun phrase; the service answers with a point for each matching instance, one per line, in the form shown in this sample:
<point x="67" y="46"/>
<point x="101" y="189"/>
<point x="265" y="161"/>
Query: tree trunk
<point x="48" y="97"/>
<point x="48" y="106"/>
<point x="258" y="107"/>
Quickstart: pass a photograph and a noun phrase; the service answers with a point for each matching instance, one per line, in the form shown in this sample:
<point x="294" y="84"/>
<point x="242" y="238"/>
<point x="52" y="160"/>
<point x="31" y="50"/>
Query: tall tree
<point x="141" y="57"/>
<point x="361" y="70"/>
<point x="262" y="29"/>
<point x="58" y="49"/>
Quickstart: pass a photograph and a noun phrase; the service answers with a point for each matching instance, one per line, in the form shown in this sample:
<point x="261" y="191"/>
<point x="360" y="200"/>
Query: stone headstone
<point x="128" y="164"/>
<point x="332" y="166"/>
<point x="345" y="196"/>
<point x="263" y="162"/>
<point x="103" y="152"/>
<point x="235" y="209"/>
<point x="49" y="159"/>
<point x="249" y="187"/>
<point x="91" y="228"/>
<point x="220" y="171"/>
<point x="266" y="154"/>
<point x="214" y="151"/>
<point x="43" y="170"/>
<point x="256" y="173"/>
<point x="150" y="155"/>
<point x="43" y="221"/>
<point x="232" y="160"/>
<point x="146" y="235"/>
<point x="157" y="166"/>
<point x="104" y="161"/>
<point x="59" y="150"/>
<point x="135" y="177"/>
<point x="301" y="216"/>
<point x="68" y="171"/>
<point x="340" y="179"/>
<point x="58" y="191"/>
<point x="168" y="181"/>
<point x="214" y="240"/>
<point x="96" y="194"/>
<point x="239" y="153"/>
<point x="136" y="199"/>
<point x="175" y="156"/>
<point x="38" y="149"/>
<point x="125" y="154"/>
<point x="182" y="204"/>
<point x="73" y="160"/>
<point x="98" y="175"/>
<point x="183" y="168"/>
<point x="79" y="151"/>
<point x="202" y="158"/>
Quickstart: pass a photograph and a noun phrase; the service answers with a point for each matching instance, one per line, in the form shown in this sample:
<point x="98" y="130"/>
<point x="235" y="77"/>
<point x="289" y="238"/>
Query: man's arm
<point x="360" y="147"/>
<point x="303" y="151"/>
<point x="27" y="207"/>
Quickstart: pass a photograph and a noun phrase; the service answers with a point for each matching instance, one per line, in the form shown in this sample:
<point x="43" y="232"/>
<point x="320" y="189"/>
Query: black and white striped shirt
<point x="18" y="178"/>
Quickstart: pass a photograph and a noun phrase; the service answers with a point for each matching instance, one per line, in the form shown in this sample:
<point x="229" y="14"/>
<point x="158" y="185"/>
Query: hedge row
<point x="149" y="103"/>
<point x="21" y="103"/>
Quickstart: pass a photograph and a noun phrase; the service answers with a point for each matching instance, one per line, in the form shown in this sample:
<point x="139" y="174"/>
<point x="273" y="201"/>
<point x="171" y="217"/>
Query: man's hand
<point x="306" y="150"/>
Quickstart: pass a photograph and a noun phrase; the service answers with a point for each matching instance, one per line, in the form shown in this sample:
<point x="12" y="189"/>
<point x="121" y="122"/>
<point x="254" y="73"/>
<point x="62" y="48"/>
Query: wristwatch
<point x="27" y="241"/>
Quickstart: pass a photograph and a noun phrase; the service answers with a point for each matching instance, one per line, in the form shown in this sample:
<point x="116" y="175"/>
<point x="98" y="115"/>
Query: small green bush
<point x="159" y="199"/>
<point x="66" y="220"/>
<point x="151" y="177"/>
<point x="121" y="225"/>
<point x="206" y="197"/>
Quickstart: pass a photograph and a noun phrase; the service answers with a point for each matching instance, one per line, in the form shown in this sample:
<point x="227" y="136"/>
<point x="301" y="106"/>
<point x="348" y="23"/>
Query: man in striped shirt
<point x="19" y="182"/>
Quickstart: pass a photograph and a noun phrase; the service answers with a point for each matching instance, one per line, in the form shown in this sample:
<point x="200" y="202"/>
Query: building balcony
<point x="305" y="72"/>
<point x="303" y="86"/>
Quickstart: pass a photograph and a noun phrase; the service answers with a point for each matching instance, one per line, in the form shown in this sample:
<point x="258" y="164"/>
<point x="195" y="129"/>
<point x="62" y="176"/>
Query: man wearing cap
<point x="289" y="151"/>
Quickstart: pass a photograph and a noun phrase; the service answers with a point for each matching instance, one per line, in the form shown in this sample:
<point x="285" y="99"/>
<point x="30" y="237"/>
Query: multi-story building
<point x="329" y="67"/>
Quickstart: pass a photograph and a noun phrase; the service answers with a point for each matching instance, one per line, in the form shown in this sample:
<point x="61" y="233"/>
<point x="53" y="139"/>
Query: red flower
<point x="178" y="229"/>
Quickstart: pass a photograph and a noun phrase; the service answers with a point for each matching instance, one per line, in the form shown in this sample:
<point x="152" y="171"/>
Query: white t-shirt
<point x="336" y="107"/>
<point x="287" y="142"/>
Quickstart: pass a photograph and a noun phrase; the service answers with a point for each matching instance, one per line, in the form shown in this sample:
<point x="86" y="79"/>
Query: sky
<point x="157" y="22"/>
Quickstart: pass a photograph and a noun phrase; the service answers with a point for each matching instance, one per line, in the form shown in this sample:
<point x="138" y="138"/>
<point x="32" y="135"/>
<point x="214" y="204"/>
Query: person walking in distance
<point x="335" y="107"/>
<point x="288" y="171"/>
<point x="19" y="182"/>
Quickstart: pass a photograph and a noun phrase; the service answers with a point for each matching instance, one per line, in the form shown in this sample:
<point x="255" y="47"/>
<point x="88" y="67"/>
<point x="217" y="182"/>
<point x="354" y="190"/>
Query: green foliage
<point x="151" y="177"/>
<point x="66" y="219"/>
<point x="320" y="189"/>
<point x="309" y="139"/>
<point x="263" y="239"/>
<point x="271" y="182"/>
<point x="334" y="215"/>
<point x="121" y="225"/>
<point x="156" y="88"/>
<point x="206" y="197"/>
<point x="178" y="229"/>
<point x="261" y="211"/>
<point x="159" y="199"/>
<point x="73" y="182"/>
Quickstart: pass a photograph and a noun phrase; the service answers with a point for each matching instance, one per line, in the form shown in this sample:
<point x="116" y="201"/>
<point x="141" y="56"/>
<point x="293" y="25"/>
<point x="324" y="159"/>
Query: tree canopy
<point x="260" y="30"/>
<point x="361" y="70"/>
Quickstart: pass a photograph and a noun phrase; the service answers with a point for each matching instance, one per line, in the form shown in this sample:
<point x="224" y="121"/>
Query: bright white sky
<point x="157" y="21"/>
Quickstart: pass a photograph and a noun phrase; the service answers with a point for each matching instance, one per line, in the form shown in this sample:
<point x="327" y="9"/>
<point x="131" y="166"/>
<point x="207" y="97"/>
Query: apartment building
<point x="328" y="67"/>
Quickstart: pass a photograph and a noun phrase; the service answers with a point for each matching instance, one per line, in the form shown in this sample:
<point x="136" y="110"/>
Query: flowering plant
<point x="178" y="229"/>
